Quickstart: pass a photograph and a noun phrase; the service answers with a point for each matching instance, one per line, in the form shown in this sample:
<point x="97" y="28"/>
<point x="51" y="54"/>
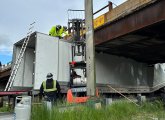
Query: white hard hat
<point x="49" y="76"/>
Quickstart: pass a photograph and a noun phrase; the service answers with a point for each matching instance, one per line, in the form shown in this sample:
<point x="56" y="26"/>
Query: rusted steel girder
<point x="154" y="13"/>
<point x="5" y="73"/>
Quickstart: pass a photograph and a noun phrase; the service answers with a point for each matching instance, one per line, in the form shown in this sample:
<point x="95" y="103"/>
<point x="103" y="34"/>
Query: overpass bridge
<point x="4" y="75"/>
<point x="137" y="31"/>
<point x="134" y="29"/>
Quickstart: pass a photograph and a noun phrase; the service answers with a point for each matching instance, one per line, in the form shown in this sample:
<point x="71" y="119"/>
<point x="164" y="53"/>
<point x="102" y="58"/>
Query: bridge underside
<point x="140" y="35"/>
<point x="4" y="76"/>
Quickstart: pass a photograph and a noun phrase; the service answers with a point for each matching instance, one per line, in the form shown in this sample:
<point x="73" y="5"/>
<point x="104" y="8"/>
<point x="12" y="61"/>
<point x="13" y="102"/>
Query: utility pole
<point x="90" y="49"/>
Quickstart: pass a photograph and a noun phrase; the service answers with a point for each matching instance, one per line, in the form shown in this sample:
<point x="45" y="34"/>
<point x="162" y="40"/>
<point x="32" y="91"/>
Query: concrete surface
<point x="6" y="116"/>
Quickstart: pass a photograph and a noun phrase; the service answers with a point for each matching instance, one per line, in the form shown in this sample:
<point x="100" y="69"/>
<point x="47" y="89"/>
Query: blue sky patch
<point x="5" y="58"/>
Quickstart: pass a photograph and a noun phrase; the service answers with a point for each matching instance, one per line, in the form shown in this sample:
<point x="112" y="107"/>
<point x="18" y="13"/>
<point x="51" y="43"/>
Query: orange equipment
<point x="72" y="99"/>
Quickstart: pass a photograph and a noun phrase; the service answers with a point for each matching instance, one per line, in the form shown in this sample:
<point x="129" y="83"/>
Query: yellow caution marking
<point x="99" y="21"/>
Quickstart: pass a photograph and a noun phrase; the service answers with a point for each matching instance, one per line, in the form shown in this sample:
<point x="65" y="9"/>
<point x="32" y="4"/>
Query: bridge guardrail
<point x="5" y="66"/>
<point x="120" y="11"/>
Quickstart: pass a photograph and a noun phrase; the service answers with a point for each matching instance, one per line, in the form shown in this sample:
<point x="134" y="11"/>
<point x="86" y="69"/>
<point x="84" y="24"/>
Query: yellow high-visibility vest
<point x="50" y="89"/>
<point x="61" y="31"/>
<point x="53" y="32"/>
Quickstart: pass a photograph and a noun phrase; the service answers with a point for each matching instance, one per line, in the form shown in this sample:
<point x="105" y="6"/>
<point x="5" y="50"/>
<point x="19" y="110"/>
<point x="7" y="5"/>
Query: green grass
<point x="117" y="111"/>
<point x="6" y="109"/>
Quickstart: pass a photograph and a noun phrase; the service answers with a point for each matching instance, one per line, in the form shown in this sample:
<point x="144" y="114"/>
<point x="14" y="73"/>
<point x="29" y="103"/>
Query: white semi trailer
<point x="46" y="54"/>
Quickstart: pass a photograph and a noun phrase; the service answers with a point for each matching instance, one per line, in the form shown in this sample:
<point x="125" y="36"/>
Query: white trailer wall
<point x="19" y="76"/>
<point x="46" y="58"/>
<point x="53" y="55"/>
<point x="120" y="71"/>
<point x="47" y="55"/>
<point x="64" y="59"/>
<point x="159" y="76"/>
<point x="24" y="75"/>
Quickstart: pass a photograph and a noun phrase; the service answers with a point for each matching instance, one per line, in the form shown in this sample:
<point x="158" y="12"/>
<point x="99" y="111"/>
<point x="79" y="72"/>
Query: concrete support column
<point x="90" y="48"/>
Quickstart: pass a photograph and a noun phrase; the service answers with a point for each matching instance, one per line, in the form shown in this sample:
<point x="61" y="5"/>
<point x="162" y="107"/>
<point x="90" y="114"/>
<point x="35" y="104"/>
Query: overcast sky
<point x="16" y="15"/>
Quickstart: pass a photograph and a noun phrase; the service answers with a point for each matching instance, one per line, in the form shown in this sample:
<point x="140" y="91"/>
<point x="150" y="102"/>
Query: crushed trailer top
<point x="123" y="74"/>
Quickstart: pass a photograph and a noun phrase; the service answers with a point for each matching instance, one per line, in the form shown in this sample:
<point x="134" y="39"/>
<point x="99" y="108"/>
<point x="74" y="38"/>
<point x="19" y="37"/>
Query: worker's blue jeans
<point x="51" y="99"/>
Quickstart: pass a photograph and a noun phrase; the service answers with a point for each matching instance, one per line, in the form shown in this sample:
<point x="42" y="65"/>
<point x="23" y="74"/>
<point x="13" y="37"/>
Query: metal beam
<point x="90" y="48"/>
<point x="5" y="73"/>
<point x="137" y="20"/>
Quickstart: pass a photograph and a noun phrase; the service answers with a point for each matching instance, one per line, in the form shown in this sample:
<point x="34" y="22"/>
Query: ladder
<point x="19" y="58"/>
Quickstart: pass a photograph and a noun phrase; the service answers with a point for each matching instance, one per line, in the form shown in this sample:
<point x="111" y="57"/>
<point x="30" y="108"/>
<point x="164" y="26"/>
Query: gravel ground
<point x="6" y="116"/>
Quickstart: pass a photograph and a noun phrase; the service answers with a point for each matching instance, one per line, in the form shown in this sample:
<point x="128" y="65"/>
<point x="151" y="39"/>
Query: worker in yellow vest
<point x="63" y="32"/>
<point x="55" y="31"/>
<point x="50" y="89"/>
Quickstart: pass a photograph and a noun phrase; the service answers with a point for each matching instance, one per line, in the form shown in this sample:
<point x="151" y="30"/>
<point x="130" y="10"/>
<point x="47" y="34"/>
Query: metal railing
<point x="107" y="6"/>
<point x="5" y="66"/>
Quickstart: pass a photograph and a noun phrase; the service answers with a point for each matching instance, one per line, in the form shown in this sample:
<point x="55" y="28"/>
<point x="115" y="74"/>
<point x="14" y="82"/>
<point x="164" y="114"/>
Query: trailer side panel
<point x="46" y="58"/>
